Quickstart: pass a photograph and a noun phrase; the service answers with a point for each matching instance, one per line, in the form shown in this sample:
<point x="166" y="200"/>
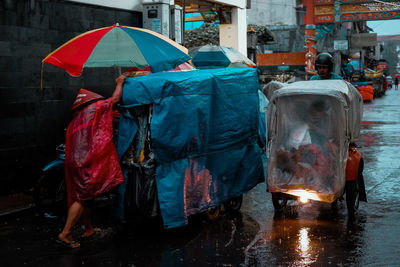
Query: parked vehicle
<point x="312" y="127"/>
<point x="49" y="193"/>
<point x="188" y="142"/>
<point x="374" y="78"/>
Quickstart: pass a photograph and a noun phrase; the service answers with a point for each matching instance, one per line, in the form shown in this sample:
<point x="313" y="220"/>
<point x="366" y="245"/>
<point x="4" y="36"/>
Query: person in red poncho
<point x="91" y="161"/>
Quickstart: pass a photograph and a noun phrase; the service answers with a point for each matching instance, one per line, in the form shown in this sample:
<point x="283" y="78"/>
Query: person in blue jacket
<point x="324" y="66"/>
<point x="346" y="69"/>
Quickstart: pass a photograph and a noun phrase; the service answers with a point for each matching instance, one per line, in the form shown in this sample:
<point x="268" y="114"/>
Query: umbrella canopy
<point x="184" y="67"/>
<point x="211" y="56"/>
<point x="119" y="46"/>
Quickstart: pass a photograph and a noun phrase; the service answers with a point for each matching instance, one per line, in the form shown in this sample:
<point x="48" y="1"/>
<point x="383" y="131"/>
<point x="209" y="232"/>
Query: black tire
<point x="49" y="193"/>
<point x="279" y="201"/>
<point x="352" y="197"/>
<point x="234" y="204"/>
<point x="334" y="205"/>
<point x="213" y="213"/>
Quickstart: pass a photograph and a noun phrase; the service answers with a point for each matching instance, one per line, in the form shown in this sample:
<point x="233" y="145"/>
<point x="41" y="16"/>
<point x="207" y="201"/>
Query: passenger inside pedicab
<point x="309" y="155"/>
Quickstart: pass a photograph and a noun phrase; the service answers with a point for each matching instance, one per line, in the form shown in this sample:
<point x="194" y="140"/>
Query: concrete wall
<point x="272" y="12"/>
<point x="32" y="119"/>
<point x="121" y="4"/>
<point x="235" y="34"/>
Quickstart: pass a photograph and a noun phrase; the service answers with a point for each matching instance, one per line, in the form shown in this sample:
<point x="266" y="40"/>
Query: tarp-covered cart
<point x="192" y="137"/>
<point x="311" y="125"/>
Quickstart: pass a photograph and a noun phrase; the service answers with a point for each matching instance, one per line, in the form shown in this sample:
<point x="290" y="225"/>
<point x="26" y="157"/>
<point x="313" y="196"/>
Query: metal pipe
<point x="183" y="21"/>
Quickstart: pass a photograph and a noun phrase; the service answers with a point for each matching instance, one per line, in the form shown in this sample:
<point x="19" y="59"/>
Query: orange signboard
<point x="280" y="59"/>
<point x="353" y="10"/>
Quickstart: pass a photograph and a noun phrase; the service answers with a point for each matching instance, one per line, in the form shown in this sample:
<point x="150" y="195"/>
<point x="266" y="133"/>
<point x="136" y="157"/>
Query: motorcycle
<point x="312" y="129"/>
<point x="49" y="193"/>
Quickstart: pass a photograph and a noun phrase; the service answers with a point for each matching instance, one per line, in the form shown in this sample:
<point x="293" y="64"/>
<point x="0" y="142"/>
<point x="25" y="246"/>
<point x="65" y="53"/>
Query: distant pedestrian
<point x="396" y="83"/>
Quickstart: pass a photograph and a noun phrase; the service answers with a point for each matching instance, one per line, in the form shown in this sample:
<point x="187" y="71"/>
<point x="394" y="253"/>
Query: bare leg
<point x="87" y="222"/>
<point x="74" y="214"/>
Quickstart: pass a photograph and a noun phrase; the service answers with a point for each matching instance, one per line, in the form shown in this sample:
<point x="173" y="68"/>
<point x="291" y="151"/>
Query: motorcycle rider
<point x="324" y="66"/>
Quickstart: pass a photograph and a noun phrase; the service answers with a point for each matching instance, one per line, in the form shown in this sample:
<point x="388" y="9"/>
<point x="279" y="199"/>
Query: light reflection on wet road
<point x="313" y="234"/>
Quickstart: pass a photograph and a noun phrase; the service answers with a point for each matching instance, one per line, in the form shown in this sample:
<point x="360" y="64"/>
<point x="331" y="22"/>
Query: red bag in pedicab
<point x="91" y="161"/>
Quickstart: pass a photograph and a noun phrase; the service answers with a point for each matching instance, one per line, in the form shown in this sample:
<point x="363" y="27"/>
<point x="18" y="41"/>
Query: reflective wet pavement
<point x="313" y="234"/>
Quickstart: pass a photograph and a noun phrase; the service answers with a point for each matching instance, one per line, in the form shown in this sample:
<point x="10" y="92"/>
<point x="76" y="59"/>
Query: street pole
<point x="337" y="55"/>
<point x="310" y="42"/>
<point x="183" y="21"/>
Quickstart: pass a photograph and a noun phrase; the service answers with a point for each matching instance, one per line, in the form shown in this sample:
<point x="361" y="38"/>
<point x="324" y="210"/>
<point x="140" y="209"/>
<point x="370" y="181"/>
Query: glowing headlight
<point x="304" y="195"/>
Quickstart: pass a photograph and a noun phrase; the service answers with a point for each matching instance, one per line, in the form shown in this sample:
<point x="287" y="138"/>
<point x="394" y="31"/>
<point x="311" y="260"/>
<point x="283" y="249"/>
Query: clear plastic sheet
<point x="91" y="161"/>
<point x="310" y="125"/>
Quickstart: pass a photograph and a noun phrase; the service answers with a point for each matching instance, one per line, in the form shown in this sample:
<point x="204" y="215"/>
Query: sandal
<point x="68" y="244"/>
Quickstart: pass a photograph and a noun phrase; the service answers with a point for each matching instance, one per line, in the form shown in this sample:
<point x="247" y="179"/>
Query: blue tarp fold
<point x="204" y="131"/>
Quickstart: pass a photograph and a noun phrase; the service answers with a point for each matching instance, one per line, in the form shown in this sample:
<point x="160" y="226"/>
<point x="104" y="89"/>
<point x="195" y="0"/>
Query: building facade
<point x="272" y="12"/>
<point x="391" y="52"/>
<point x="33" y="119"/>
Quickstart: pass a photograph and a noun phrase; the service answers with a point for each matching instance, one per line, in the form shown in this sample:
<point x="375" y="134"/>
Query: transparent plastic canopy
<point x="310" y="125"/>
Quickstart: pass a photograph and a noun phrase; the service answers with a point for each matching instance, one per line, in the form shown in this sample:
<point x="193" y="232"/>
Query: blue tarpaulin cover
<point x="204" y="131"/>
<point x="212" y="59"/>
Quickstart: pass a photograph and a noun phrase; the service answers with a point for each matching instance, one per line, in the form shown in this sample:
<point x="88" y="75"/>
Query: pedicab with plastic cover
<point x="312" y="129"/>
<point x="187" y="142"/>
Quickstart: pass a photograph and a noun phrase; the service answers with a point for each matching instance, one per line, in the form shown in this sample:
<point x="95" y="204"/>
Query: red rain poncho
<point x="91" y="162"/>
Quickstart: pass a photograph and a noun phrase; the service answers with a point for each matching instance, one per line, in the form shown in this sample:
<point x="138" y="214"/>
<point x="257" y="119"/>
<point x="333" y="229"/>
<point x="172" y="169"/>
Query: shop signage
<point x="340" y="44"/>
<point x="363" y="39"/>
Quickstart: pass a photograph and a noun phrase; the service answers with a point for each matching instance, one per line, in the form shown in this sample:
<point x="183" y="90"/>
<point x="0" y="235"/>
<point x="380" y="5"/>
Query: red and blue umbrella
<point x="118" y="46"/>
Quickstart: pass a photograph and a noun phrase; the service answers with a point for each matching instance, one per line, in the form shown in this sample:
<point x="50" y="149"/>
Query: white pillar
<point x="235" y="34"/>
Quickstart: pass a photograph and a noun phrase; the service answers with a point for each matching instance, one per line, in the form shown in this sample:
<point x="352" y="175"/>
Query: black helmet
<point x="324" y="59"/>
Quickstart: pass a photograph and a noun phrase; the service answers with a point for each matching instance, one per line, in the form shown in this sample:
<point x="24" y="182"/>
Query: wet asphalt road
<point x="307" y="235"/>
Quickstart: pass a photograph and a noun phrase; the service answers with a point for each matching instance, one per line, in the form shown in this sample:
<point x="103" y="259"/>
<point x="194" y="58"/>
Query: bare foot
<point x="89" y="232"/>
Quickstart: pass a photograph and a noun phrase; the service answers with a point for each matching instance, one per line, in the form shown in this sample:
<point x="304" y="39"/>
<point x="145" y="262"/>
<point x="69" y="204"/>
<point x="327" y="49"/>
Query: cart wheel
<point x="334" y="205"/>
<point x="352" y="196"/>
<point x="279" y="201"/>
<point x="234" y="204"/>
<point x="49" y="194"/>
<point x="213" y="213"/>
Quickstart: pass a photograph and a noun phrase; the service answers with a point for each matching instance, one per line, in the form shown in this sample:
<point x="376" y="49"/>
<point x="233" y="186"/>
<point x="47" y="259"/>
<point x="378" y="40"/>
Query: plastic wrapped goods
<point x="204" y="132"/>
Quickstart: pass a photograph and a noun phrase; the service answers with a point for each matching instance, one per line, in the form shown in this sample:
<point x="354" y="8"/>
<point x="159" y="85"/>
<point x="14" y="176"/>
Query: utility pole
<point x="310" y="42"/>
<point x="337" y="55"/>
<point x="183" y="21"/>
